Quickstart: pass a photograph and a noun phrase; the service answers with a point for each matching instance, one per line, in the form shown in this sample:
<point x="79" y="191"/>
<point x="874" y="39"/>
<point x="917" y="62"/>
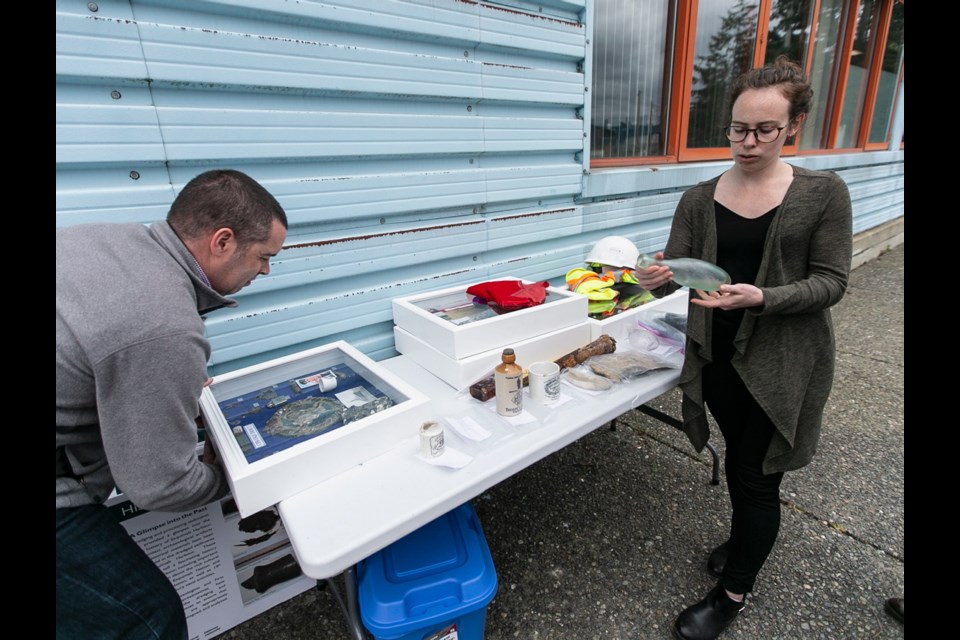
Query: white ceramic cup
<point x="431" y="439"/>
<point x="544" y="380"/>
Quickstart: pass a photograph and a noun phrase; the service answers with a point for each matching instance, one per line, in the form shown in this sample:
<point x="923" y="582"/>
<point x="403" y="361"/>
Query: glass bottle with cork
<point x="508" y="381"/>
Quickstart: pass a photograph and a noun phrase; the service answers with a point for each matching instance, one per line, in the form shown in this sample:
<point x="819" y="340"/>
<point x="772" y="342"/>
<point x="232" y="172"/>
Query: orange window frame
<point x="681" y="107"/>
<point x="682" y="82"/>
<point x="881" y="29"/>
<point x="876" y="70"/>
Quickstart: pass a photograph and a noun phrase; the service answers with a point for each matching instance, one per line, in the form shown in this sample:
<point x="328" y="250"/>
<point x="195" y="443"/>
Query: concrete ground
<point x="608" y="537"/>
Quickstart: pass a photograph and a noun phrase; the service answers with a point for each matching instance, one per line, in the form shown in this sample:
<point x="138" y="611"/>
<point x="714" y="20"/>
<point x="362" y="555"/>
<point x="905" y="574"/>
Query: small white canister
<point x="431" y="439"/>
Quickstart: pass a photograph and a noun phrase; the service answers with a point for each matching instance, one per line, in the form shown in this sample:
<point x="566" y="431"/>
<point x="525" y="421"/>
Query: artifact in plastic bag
<point x="676" y="320"/>
<point x="653" y="336"/>
<point x="581" y="376"/>
<point x="624" y="364"/>
<point x="690" y="272"/>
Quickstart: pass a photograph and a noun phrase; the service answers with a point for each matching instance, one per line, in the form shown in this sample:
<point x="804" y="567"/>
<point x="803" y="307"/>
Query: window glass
<point x="889" y="76"/>
<point x="858" y="74"/>
<point x="823" y="72"/>
<point x="632" y="57"/>
<point x="789" y="30"/>
<point x="632" y="68"/>
<point x="725" y="38"/>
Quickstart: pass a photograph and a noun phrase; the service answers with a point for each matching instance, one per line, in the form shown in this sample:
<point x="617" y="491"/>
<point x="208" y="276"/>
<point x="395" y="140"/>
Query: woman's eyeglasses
<point x="765" y="133"/>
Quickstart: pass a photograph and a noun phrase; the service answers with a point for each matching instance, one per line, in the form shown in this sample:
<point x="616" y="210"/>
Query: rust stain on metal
<point x="111" y="19"/>
<point x="430" y="278"/>
<point x="326" y="243"/>
<point x="536" y="214"/>
<point x="568" y="23"/>
<point x="509" y="66"/>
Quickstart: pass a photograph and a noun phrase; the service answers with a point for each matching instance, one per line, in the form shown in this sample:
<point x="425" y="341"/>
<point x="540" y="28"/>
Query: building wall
<point x="415" y="145"/>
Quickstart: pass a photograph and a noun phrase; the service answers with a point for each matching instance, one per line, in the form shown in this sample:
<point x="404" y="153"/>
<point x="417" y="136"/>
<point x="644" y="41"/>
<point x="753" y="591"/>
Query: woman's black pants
<point x="755" y="497"/>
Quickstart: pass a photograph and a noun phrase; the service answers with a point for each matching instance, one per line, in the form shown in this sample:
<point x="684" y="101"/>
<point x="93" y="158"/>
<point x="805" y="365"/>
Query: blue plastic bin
<point x="437" y="580"/>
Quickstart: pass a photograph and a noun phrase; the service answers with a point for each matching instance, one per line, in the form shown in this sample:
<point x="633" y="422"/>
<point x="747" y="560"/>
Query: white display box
<point x="420" y="317"/>
<point x="266" y="443"/>
<point x="617" y="326"/>
<point x="461" y="373"/>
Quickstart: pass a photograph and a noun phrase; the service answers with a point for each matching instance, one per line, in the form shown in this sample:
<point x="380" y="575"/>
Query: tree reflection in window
<point x="726" y="32"/>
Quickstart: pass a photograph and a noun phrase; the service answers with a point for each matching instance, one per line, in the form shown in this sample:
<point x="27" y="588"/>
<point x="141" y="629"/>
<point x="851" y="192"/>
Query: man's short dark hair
<point x="225" y="198"/>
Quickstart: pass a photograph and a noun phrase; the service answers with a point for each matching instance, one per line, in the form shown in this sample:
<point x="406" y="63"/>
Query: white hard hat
<point x="615" y="251"/>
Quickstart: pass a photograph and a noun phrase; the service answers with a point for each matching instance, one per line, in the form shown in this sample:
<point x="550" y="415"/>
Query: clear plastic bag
<point x="658" y="339"/>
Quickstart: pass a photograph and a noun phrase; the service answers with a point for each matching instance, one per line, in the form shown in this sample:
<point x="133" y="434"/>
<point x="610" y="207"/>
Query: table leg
<point x="350" y="608"/>
<point x="673" y="422"/>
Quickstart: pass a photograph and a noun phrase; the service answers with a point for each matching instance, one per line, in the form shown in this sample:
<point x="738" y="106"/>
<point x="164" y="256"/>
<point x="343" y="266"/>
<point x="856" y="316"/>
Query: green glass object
<point x="690" y="272"/>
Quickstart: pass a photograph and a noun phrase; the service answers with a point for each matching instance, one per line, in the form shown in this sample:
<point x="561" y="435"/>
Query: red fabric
<point x="511" y="294"/>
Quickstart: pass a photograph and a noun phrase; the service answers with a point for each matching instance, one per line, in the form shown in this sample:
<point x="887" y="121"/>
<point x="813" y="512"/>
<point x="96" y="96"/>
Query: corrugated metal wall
<point x="414" y="144"/>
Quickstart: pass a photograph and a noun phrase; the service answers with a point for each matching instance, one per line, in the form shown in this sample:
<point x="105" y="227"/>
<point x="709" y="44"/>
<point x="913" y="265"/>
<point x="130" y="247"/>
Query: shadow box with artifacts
<point x="285" y="425"/>
<point x="459" y="325"/>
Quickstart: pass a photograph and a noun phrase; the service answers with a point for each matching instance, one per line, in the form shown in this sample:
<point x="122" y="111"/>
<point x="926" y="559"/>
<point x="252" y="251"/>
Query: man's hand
<point x="210" y="452"/>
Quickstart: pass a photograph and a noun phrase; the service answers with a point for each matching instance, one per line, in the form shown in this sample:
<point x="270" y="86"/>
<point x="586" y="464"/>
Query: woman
<point x="760" y="351"/>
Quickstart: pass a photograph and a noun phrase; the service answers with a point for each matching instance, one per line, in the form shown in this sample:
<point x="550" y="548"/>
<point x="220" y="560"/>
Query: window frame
<point x="681" y="81"/>
<point x="886" y="17"/>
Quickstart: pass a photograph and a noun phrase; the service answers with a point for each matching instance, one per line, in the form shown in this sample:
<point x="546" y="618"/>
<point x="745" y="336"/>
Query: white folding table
<point x="339" y="522"/>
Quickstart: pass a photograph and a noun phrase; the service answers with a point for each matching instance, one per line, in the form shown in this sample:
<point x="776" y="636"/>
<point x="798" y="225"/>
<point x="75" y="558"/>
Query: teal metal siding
<point x="415" y="144"/>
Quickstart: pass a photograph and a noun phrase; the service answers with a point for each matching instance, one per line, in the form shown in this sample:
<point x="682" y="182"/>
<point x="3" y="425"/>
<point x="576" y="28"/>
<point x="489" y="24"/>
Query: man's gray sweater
<point x="131" y="363"/>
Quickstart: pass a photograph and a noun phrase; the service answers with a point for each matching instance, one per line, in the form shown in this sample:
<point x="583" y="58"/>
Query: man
<point x="131" y="363"/>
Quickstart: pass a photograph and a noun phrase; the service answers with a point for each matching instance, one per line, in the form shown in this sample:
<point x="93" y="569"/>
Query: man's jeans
<point x="107" y="587"/>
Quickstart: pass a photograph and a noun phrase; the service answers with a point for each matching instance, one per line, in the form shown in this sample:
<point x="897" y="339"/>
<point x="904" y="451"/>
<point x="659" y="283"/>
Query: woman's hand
<point x="730" y="296"/>
<point x="655" y="276"/>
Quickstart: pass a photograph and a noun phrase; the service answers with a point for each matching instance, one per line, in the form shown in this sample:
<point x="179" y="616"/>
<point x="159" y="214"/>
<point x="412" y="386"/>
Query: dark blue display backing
<point x="251" y="408"/>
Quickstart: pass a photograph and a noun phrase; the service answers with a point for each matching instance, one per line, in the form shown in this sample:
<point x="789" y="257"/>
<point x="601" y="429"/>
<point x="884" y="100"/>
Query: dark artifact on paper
<point x="485" y="389"/>
<point x="249" y="542"/>
<point x="264" y="520"/>
<point x="269" y="575"/>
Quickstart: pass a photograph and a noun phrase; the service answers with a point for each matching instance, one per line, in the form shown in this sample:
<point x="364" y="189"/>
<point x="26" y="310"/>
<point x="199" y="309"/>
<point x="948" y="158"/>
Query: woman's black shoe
<point x="707" y="619"/>
<point x="894" y="607"/>
<point x="718" y="559"/>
